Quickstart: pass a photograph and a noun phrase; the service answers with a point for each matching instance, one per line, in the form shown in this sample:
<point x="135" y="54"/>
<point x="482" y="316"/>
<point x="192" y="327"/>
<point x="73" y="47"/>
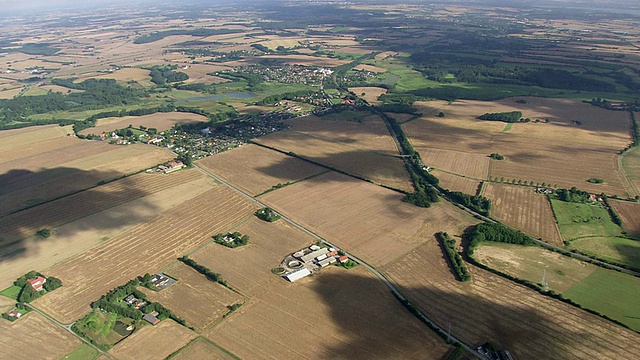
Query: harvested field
<point x="370" y="68"/>
<point x="153" y="342"/>
<point x="630" y="215"/>
<point x="433" y="107"/>
<point x="305" y="60"/>
<point x="330" y="146"/>
<point x="472" y="165"/>
<point x="202" y="348"/>
<point x="141" y="76"/>
<point x="194" y="298"/>
<point x="18" y="340"/>
<point x="514" y="317"/>
<point x="456" y="183"/>
<point x="90" y="218"/>
<point x="630" y="162"/>
<point x="535" y="152"/>
<point x="532" y="263"/>
<point x="358" y="129"/>
<point x="521" y="208"/>
<point x="150" y="247"/>
<point x="160" y="121"/>
<point x="317" y="317"/>
<point x="380" y="227"/>
<point x="371" y="94"/>
<point x="45" y="177"/>
<point x="255" y="169"/>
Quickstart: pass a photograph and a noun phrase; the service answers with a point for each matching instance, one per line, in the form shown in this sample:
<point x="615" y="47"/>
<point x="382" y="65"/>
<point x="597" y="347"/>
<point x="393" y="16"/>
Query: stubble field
<point x="89" y="218"/>
<point x="194" y="298"/>
<point x="255" y="169"/>
<point x="34" y="337"/>
<point x="553" y="152"/>
<point x="456" y="183"/>
<point x="379" y="228"/>
<point x="201" y="348"/>
<point x="321" y="316"/>
<point x="529" y="325"/>
<point x="630" y="215"/>
<point x="153" y="342"/>
<point x="160" y="121"/>
<point x="521" y="208"/>
<point x="143" y="249"/>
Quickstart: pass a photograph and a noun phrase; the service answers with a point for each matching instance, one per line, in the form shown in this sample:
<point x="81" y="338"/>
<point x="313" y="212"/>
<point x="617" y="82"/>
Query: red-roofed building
<point x="343" y="259"/>
<point x="37" y="283"/>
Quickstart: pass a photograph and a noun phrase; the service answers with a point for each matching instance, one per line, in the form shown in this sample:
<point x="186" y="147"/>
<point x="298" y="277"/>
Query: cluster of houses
<point x="311" y="259"/>
<point x="288" y="74"/>
<point x="134" y="302"/>
<point x="171" y="166"/>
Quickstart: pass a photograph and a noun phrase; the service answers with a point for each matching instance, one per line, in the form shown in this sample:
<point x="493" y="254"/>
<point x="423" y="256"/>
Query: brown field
<point x="37" y="174"/>
<point x="90" y="218"/>
<point x="194" y="298"/>
<point x="144" y="248"/>
<point x="380" y="228"/>
<point x="386" y="54"/>
<point x="432" y="107"/>
<point x="371" y="68"/>
<point x="26" y="338"/>
<point x="491" y="308"/>
<point x="400" y="117"/>
<point x="138" y="75"/>
<point x="520" y="207"/>
<point x="456" y="183"/>
<point x="343" y="142"/>
<point x="371" y="94"/>
<point x="305" y="60"/>
<point x="273" y="43"/>
<point x="153" y="342"/>
<point x="630" y="215"/>
<point x="160" y="121"/>
<point x="201" y="348"/>
<point x="317" y="317"/>
<point x="535" y="151"/>
<point x="60" y="89"/>
<point x="630" y="162"/>
<point x="266" y="168"/>
<point x="475" y="166"/>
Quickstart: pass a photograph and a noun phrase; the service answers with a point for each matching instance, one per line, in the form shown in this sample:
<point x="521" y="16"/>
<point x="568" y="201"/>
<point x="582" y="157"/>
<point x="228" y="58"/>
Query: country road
<point x="386" y="281"/>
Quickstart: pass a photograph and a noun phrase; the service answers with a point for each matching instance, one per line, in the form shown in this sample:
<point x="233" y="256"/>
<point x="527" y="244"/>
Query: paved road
<point x="67" y="327"/>
<point x="367" y="266"/>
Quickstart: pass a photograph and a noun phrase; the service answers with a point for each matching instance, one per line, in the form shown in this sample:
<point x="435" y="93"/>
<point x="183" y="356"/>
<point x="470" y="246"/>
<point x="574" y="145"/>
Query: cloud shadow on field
<point x="54" y="197"/>
<point x="515" y="334"/>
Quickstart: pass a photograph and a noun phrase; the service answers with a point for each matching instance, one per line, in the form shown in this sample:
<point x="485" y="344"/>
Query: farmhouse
<point x="171" y="166"/>
<point x="151" y="319"/>
<point x="161" y="281"/>
<point x="14" y="313"/>
<point x="314" y="255"/>
<point x="37" y="283"/>
<point x="297" y="275"/>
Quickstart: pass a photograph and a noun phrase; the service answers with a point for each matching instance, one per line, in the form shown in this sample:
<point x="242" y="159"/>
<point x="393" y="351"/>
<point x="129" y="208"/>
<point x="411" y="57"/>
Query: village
<point x="288" y="74"/>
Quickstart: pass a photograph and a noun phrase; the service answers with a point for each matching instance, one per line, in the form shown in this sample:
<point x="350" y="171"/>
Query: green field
<point x="98" y="327"/>
<point x="611" y="293"/>
<point x="582" y="220"/>
<point x="614" y="249"/>
<point x="11" y="292"/>
<point x="401" y="76"/>
<point x="84" y="352"/>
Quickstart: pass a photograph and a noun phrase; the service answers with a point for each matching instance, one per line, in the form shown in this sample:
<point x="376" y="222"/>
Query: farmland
<point x="474" y="166"/>
<point x="614" y="249"/>
<point x="381" y="227"/>
<point x="318" y="316"/>
<point x="92" y="217"/>
<point x="18" y="340"/>
<point x="194" y="298"/>
<point x="630" y="215"/>
<point x="48" y="164"/>
<point x="159" y="121"/>
<point x="388" y="171"/>
<point x="201" y="348"/>
<point x="456" y="183"/>
<point x="266" y="169"/>
<point x="534" y="151"/>
<point x="530" y="324"/>
<point x="586" y="284"/>
<point x="521" y="208"/>
<point x="162" y="239"/>
<point x="153" y="342"/>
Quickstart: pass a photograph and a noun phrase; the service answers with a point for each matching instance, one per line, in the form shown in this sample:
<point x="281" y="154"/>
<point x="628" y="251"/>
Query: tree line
<point x="212" y="276"/>
<point x="493" y="232"/>
<point x="453" y="257"/>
